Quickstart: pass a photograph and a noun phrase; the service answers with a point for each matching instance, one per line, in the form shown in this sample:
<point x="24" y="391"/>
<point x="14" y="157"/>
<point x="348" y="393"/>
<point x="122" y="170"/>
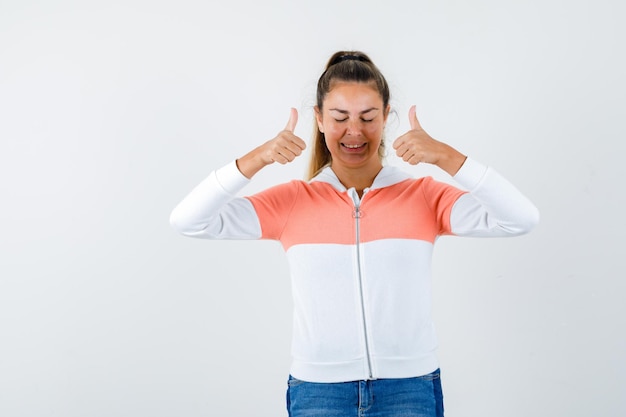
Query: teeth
<point x="352" y="146"/>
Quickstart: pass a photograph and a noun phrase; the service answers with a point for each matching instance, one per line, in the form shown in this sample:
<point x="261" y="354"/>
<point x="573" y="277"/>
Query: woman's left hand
<point x="417" y="146"/>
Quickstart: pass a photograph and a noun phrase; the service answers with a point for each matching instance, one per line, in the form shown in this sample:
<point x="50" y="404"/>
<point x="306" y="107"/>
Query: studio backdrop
<point x="112" y="111"/>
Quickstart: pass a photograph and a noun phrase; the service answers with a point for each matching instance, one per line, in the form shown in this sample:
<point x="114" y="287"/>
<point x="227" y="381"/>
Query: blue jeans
<point x="404" y="397"/>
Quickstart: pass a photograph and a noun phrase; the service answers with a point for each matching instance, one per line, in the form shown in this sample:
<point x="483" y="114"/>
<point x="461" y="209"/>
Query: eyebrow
<point x="347" y="112"/>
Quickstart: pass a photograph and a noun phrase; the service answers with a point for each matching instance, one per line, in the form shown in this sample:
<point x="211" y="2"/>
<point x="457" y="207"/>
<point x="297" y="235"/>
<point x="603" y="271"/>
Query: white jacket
<point x="360" y="268"/>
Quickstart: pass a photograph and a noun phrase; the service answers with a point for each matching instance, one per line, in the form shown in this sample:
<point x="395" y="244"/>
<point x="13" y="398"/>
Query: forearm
<point x="251" y="163"/>
<point x="493" y="207"/>
<point x="211" y="209"/>
<point x="451" y="160"/>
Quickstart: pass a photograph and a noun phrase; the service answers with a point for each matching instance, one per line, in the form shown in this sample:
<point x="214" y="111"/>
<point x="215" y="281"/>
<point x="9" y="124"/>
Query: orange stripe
<point x="316" y="213"/>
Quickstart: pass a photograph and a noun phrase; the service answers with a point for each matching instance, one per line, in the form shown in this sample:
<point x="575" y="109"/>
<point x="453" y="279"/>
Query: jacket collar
<point x="388" y="175"/>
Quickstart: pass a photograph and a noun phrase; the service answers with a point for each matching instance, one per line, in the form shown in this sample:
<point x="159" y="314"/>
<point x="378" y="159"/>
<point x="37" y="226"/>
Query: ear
<point x="318" y="118"/>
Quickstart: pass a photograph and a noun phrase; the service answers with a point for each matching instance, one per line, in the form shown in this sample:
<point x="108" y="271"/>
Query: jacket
<point x="360" y="267"/>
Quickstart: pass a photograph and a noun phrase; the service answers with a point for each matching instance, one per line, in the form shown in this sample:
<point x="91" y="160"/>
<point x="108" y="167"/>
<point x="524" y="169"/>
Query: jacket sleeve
<point x="493" y="207"/>
<point x="212" y="210"/>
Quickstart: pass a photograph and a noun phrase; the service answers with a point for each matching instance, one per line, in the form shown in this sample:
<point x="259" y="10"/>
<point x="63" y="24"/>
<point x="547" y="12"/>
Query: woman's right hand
<point x="284" y="148"/>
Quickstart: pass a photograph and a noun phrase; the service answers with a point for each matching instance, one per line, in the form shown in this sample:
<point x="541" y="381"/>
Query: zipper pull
<point x="357" y="213"/>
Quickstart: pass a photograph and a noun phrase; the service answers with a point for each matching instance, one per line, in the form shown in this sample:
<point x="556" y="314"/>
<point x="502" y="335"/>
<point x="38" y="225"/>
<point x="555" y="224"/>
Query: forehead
<point x="348" y="95"/>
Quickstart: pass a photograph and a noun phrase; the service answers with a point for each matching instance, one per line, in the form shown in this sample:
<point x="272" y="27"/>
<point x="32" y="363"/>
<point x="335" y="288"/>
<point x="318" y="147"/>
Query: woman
<point x="358" y="237"/>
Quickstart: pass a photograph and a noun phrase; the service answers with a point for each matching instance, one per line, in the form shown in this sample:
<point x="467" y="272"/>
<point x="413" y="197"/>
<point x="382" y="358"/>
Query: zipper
<point x="356" y="214"/>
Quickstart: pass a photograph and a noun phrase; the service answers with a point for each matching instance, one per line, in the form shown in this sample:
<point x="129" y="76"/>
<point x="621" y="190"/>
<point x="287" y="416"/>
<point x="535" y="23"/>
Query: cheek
<point x="373" y="131"/>
<point x="334" y="130"/>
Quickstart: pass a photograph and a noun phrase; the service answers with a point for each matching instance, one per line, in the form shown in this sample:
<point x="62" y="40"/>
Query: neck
<point x="358" y="178"/>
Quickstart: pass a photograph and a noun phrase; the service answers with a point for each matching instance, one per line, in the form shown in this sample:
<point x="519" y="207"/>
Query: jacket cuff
<point x="471" y="174"/>
<point x="230" y="178"/>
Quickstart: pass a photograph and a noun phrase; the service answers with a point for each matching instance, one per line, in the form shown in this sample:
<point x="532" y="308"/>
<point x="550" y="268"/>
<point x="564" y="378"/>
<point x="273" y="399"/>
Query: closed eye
<point x="341" y="120"/>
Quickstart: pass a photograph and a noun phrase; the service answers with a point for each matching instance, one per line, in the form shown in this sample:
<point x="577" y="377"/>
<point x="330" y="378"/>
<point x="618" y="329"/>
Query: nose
<point x="354" y="128"/>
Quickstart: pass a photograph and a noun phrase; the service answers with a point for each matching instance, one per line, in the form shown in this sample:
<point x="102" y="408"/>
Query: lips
<point x="353" y="146"/>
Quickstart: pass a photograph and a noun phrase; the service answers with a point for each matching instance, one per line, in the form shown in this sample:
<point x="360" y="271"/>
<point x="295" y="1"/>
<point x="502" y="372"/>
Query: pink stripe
<point x="316" y="213"/>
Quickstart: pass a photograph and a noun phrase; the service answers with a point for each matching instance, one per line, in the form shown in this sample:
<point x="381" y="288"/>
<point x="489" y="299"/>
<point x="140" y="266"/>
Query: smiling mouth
<point x="353" y="146"/>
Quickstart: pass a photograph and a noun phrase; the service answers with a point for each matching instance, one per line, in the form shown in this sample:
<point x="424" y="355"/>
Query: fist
<point x="417" y="146"/>
<point x="286" y="146"/>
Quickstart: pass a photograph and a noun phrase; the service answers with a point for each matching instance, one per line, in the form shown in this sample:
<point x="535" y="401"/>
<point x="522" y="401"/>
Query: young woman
<point x="358" y="237"/>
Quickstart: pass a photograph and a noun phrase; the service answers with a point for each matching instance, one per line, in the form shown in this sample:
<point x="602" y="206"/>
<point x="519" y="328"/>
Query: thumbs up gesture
<point x="284" y="148"/>
<point x="417" y="146"/>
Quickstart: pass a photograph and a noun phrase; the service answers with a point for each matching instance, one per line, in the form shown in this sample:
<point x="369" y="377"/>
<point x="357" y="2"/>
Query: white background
<point x="111" y="111"/>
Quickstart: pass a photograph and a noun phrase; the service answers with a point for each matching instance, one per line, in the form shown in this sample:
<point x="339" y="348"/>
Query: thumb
<point x="415" y="124"/>
<point x="293" y="120"/>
